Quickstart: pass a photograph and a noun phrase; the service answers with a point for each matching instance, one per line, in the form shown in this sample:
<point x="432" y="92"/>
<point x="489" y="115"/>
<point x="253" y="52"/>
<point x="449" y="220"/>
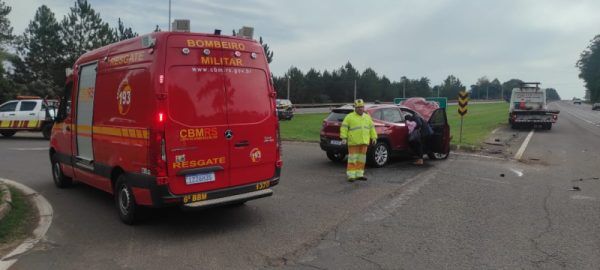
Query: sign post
<point x="463" y="101"/>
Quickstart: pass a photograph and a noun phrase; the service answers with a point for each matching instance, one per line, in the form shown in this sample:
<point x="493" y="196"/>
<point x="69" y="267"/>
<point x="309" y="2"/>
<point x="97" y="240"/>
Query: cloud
<point x="526" y="39"/>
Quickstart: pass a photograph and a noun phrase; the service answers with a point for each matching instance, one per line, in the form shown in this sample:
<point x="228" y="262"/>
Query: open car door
<point x="439" y="143"/>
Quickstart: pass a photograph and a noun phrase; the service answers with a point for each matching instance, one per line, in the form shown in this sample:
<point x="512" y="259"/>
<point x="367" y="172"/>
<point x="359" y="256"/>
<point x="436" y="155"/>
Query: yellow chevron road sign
<point x="463" y="101"/>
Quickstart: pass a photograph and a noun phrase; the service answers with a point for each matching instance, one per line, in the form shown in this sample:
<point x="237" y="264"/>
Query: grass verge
<point x="479" y="122"/>
<point x="16" y="225"/>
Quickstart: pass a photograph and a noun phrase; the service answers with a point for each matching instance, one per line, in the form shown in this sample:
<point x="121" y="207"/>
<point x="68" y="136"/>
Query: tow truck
<point x="528" y="107"/>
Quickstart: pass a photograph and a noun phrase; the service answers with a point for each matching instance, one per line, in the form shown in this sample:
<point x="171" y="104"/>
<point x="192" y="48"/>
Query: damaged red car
<point x="392" y="132"/>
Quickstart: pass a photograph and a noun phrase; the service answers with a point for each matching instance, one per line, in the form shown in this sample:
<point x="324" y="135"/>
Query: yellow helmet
<point x="359" y="103"/>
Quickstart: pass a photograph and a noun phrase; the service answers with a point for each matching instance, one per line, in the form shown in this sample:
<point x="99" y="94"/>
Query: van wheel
<point x="125" y="201"/>
<point x="47" y="131"/>
<point x="336" y="156"/>
<point x="8" y="133"/>
<point x="60" y="180"/>
<point x="379" y="155"/>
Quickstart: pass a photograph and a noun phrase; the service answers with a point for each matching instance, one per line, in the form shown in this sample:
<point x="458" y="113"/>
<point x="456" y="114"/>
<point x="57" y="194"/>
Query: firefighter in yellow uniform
<point x="358" y="132"/>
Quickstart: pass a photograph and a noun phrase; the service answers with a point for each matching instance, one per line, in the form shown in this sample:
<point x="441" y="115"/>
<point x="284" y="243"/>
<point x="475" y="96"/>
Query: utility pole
<point x="438" y="91"/>
<point x="404" y="89"/>
<point x="169" y="16"/>
<point x="487" y="92"/>
<point x="502" y="91"/>
<point x="288" y="88"/>
<point x="354" y="89"/>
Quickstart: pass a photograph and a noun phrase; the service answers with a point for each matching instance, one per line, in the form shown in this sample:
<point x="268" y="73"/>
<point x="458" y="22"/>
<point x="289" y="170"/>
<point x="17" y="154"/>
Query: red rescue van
<point x="170" y="119"/>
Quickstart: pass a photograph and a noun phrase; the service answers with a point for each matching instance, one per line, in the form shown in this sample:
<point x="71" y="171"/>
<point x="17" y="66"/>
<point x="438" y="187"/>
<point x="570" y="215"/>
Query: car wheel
<point x="435" y="156"/>
<point x="47" y="131"/>
<point x="60" y="180"/>
<point x="336" y="156"/>
<point x="8" y="133"/>
<point x="379" y="155"/>
<point x="125" y="201"/>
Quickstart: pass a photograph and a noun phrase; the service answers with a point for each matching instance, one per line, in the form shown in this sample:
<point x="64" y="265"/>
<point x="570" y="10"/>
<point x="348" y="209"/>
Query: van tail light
<point x="158" y="149"/>
<point x="555" y="117"/>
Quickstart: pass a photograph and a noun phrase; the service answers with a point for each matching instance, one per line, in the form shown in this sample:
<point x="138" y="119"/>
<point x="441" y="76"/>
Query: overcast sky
<point x="531" y="40"/>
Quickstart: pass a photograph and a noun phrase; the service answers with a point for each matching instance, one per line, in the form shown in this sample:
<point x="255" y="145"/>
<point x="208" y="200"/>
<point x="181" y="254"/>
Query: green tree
<point x="124" y="33"/>
<point x="552" y="94"/>
<point x="589" y="68"/>
<point x="83" y="30"/>
<point x="450" y="87"/>
<point x="7" y="90"/>
<point x="268" y="51"/>
<point x="41" y="48"/>
<point x="509" y="85"/>
<point x="5" y="28"/>
<point x="368" y="87"/>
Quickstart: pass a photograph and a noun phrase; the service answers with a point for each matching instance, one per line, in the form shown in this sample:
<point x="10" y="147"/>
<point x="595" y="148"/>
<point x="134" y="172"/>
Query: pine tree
<point x="7" y="90"/>
<point x="268" y="52"/>
<point x="124" y="33"/>
<point x="83" y="30"/>
<point x="41" y="48"/>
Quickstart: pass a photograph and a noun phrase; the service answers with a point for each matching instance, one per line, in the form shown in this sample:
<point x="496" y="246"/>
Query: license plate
<point x="336" y="142"/>
<point x="191" y="179"/>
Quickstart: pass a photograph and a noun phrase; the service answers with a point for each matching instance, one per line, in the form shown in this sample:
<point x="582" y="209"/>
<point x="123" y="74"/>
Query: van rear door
<point x="197" y="150"/>
<point x="252" y="121"/>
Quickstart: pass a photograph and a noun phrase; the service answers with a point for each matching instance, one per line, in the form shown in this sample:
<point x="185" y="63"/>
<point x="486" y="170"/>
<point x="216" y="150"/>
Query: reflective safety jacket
<point x="358" y="129"/>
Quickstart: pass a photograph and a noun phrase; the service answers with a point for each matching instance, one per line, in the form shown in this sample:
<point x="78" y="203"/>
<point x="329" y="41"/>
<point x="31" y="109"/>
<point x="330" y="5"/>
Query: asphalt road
<point x="467" y="212"/>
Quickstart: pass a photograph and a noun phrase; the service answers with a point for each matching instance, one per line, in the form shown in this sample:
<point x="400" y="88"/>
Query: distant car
<point x="285" y="109"/>
<point x="392" y="132"/>
<point x="577" y="101"/>
<point x="596" y="106"/>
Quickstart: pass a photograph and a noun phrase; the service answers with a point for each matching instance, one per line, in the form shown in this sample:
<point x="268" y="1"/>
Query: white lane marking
<point x="583" y="197"/>
<point x="30" y="149"/>
<point x="476" y="155"/>
<point x="580" y="117"/>
<point x="493" y="180"/>
<point x="45" y="213"/>
<point x="517" y="172"/>
<point x="524" y="145"/>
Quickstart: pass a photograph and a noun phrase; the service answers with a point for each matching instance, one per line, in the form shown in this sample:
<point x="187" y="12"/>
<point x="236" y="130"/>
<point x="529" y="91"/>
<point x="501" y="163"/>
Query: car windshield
<point x="337" y="116"/>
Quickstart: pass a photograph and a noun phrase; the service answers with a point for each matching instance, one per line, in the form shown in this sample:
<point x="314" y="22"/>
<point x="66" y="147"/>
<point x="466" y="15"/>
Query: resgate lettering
<point x="199" y="163"/>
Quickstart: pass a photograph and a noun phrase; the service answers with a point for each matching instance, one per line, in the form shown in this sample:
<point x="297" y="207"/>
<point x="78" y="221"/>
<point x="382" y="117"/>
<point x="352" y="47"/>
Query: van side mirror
<point x="64" y="106"/>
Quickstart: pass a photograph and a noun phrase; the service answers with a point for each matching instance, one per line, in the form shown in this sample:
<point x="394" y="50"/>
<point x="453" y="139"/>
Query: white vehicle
<point x="27" y="114"/>
<point x="528" y="108"/>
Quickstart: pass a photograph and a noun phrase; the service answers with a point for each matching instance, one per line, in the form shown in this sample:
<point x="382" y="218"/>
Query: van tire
<point x="125" y="201"/>
<point x="60" y="180"/>
<point x="8" y="133"/>
<point x="47" y="131"/>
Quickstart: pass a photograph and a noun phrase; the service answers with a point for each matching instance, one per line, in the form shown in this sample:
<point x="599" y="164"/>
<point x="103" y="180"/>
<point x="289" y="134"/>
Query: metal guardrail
<point x="326" y="105"/>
